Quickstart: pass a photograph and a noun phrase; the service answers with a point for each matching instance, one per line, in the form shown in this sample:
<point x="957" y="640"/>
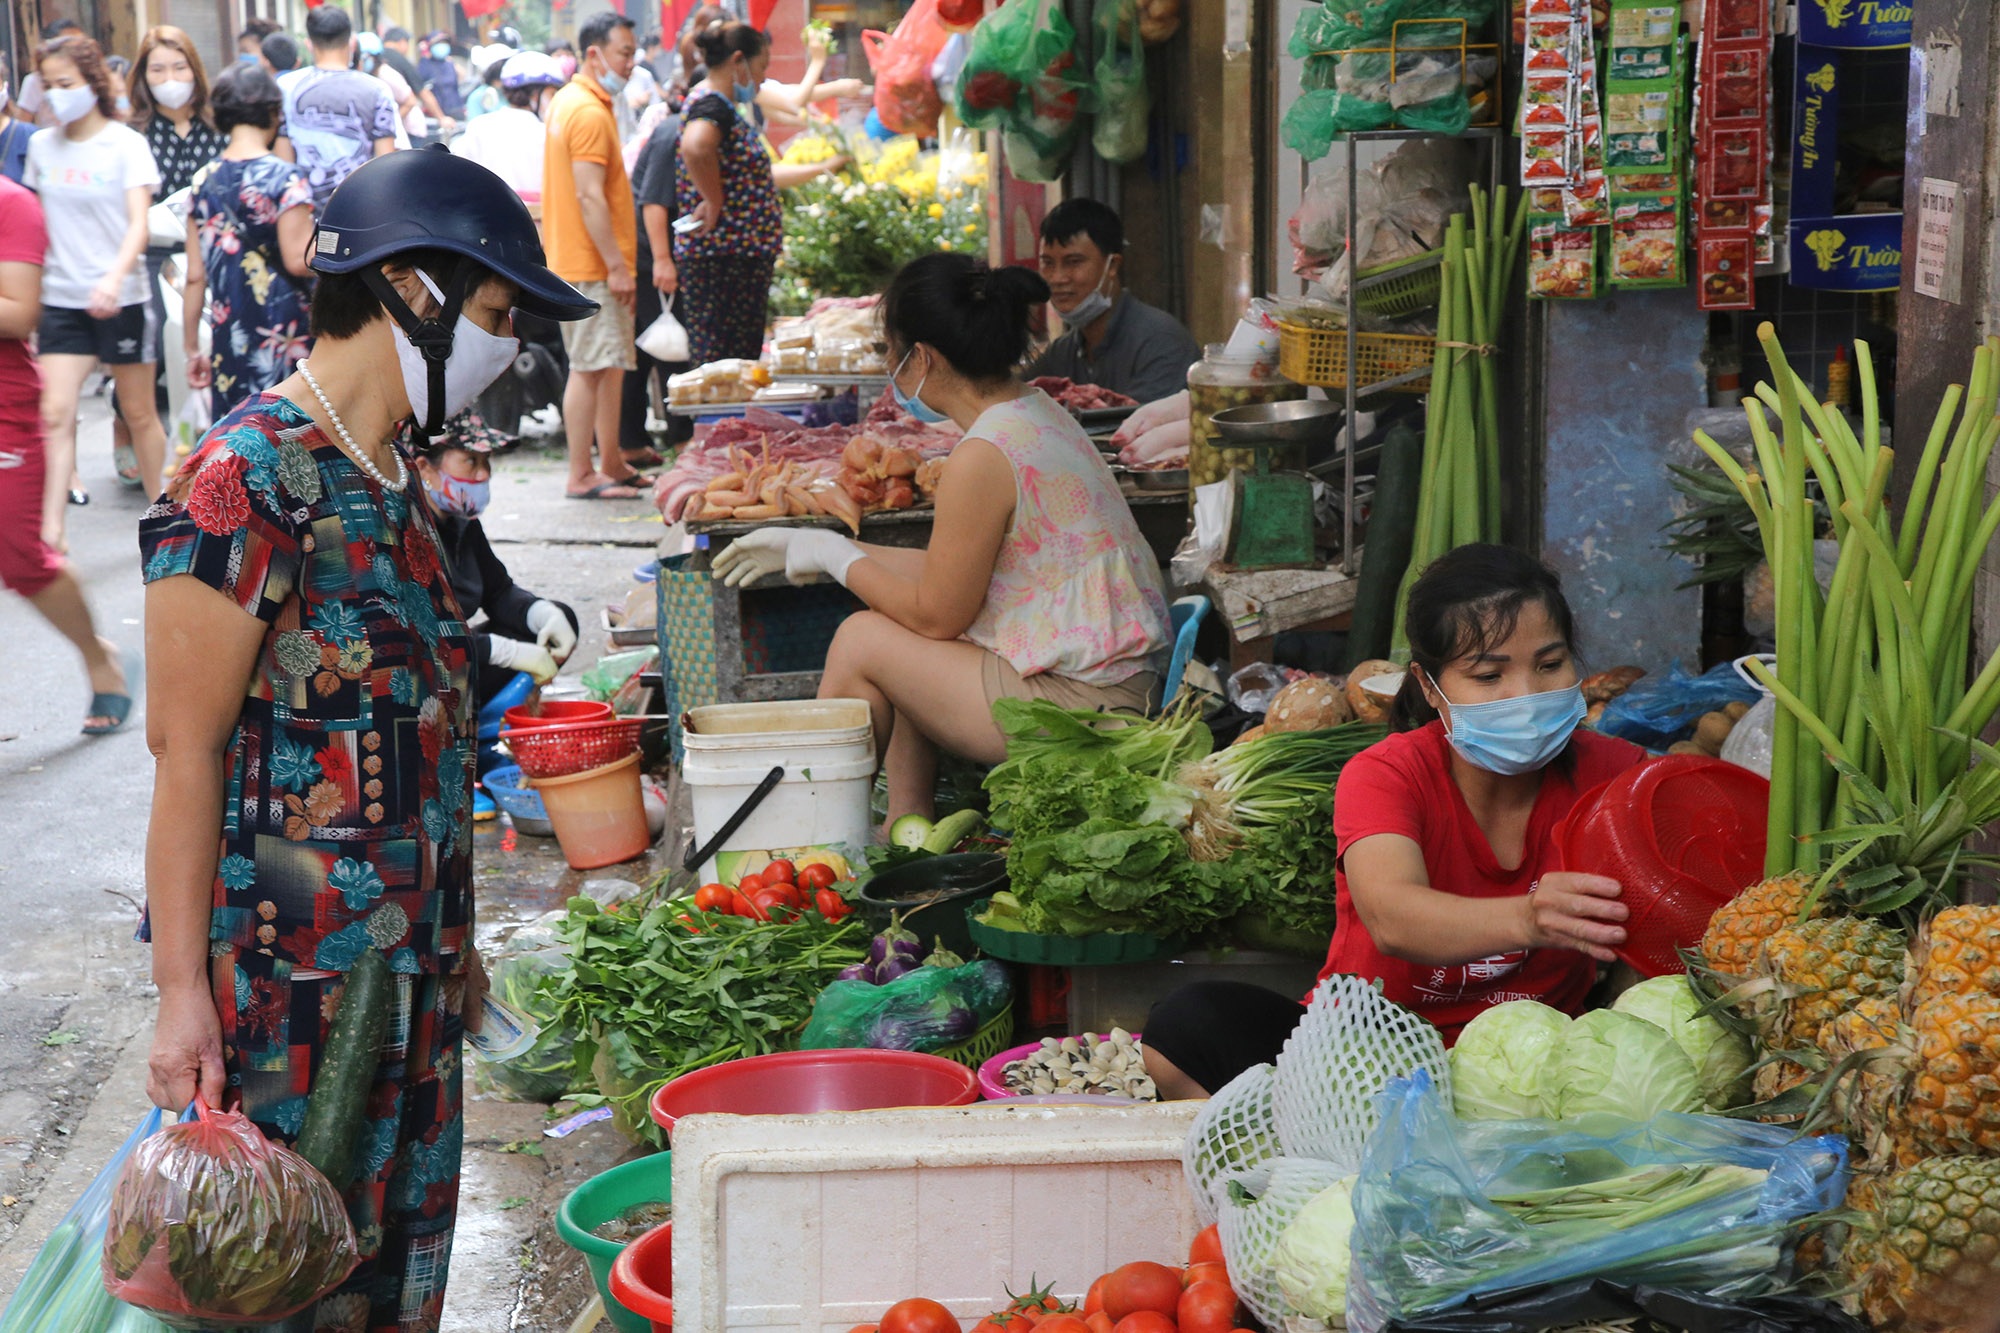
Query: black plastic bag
<point x="1541" y="1308"/>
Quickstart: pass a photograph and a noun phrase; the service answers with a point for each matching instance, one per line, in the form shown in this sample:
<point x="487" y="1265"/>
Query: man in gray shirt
<point x="1110" y="337"/>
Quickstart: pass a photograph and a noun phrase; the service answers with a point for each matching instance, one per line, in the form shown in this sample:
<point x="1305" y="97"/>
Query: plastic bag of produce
<point x="918" y="1011"/>
<point x="63" y="1289"/>
<point x="212" y="1223"/>
<point x="1598" y="1303"/>
<point x="905" y="97"/>
<point x="1662" y="709"/>
<point x="1449" y="1210"/>
<point x="1119" y="82"/>
<point x="544" y="1071"/>
<point x="1021" y="74"/>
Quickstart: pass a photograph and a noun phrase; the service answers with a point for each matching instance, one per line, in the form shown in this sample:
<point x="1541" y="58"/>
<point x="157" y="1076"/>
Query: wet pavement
<point x="75" y="999"/>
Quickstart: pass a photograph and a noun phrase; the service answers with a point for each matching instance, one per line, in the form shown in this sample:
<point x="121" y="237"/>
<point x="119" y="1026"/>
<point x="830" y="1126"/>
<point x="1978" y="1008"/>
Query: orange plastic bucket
<point x="599" y="814"/>
<point x="553" y="712"/>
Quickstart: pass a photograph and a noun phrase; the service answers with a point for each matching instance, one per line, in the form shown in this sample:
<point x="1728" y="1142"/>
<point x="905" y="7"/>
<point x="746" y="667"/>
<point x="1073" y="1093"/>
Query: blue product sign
<point x="1855" y="24"/>
<point x="1816" y="89"/>
<point x="1858" y="252"/>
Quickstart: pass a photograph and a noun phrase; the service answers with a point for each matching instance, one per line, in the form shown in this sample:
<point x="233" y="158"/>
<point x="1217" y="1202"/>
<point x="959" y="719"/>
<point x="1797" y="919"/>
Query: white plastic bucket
<point x="827" y="748"/>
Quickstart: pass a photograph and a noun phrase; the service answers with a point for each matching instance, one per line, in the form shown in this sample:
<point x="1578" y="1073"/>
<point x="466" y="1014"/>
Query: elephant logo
<point x="1821" y="80"/>
<point x="1827" y="246"/>
<point x="1837" y="11"/>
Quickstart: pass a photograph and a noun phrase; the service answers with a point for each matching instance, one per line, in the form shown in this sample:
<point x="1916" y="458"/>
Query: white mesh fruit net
<point x="1233" y="1133"/>
<point x="1348" y="1045"/>
<point x="1250" y="1230"/>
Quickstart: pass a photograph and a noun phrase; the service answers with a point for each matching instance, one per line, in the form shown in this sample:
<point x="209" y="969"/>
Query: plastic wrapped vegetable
<point x="63" y="1289"/>
<point x="212" y="1223"/>
<point x="1021" y="77"/>
<point x="919" y="1010"/>
<point x="543" y="1072"/>
<point x="1119" y="82"/>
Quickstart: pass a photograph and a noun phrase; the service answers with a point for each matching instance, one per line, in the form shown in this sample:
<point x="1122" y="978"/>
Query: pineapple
<point x="1740" y="926"/>
<point x="1956" y="953"/>
<point x="1818" y="970"/>
<point x="1866" y="1101"/>
<point x="1931" y="1245"/>
<point x="1953" y="1102"/>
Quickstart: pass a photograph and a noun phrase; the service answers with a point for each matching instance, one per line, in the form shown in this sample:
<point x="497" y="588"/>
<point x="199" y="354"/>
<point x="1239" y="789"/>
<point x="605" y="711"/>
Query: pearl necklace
<point x="353" y="450"/>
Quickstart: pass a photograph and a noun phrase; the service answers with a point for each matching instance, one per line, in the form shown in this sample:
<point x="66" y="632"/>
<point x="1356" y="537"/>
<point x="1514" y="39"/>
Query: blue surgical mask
<point x="468" y="499"/>
<point x="913" y="403"/>
<point x="1515" y="736"/>
<point x="246" y="57"/>
<point x="441" y="51"/>
<point x="124" y="105"/>
<point x="611" y="83"/>
<point x="745" y="92"/>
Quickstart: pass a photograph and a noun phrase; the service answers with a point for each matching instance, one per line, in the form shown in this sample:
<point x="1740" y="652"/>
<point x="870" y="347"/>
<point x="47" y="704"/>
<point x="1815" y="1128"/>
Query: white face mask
<point x="477" y="359"/>
<point x="70" y="105"/>
<point x="1091" y="306"/>
<point x="174" y="94"/>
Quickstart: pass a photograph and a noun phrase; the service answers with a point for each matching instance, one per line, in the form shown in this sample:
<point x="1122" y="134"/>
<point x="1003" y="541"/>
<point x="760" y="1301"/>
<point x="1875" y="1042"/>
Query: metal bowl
<point x="1299" y="421"/>
<point x="1159" y="478"/>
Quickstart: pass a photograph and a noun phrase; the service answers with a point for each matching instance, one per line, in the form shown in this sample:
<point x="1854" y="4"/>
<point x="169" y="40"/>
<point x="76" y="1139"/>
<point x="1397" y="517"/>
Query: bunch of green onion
<point x="1262" y="782"/>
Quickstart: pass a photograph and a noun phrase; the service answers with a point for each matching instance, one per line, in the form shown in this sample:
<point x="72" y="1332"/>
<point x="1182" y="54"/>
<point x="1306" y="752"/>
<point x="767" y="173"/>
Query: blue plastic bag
<point x="63" y="1289"/>
<point x="1660" y="710"/>
<point x="1428" y="1234"/>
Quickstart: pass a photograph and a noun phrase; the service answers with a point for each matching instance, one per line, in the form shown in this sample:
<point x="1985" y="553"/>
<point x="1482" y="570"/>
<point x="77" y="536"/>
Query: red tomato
<point x="918" y="1315"/>
<point x="749" y="882"/>
<point x="780" y="872"/>
<point x="1093" y="1300"/>
<point x="688" y="921"/>
<point x="740" y="905"/>
<point x="1141" y="1286"/>
<point x="816" y="876"/>
<point x="1098" y="1322"/>
<point x="1215" y="1272"/>
<point x="862" y="1328"/>
<point x="1063" y="1323"/>
<point x="831" y="905"/>
<point x="712" y="898"/>
<point x="778" y="902"/>
<point x="1004" y="1321"/>
<point x="1207" y="1307"/>
<point x="1207" y="1247"/>
<point x="1145" y="1321"/>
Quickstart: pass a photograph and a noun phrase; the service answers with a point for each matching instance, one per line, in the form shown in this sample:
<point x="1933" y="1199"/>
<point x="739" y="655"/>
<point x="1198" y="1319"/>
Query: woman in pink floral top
<point x="1037" y="582"/>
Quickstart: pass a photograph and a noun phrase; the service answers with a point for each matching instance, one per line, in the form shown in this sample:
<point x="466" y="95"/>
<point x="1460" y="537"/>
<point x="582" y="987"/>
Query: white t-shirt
<point x="409" y="123"/>
<point x="83" y="186"/>
<point x="509" y="142"/>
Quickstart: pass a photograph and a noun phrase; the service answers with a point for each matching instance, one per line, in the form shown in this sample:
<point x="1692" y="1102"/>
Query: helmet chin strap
<point x="431" y="337"/>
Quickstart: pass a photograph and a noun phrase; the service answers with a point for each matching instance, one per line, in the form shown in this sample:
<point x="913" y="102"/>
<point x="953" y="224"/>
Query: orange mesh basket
<point x="1682" y="835"/>
<point x="563" y="748"/>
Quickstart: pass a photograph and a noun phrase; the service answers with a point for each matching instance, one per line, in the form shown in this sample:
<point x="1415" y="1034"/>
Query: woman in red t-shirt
<point x="1449" y="891"/>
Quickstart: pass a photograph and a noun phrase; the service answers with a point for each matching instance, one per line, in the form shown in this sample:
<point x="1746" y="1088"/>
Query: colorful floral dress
<point x="725" y="272"/>
<point x="347" y="822"/>
<point x="257" y="311"/>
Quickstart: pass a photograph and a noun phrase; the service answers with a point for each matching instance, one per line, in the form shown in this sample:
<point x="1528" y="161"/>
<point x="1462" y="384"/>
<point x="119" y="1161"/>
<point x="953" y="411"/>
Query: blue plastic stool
<point x="1186" y="616"/>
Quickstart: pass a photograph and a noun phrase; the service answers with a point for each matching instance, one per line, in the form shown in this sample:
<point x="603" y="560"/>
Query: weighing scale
<point x="1271" y="512"/>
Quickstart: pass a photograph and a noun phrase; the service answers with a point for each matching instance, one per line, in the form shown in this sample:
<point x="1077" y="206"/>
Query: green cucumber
<point x="950" y="831"/>
<point x="1392" y="522"/>
<point x="336" y="1108"/>
<point x="910" y="832"/>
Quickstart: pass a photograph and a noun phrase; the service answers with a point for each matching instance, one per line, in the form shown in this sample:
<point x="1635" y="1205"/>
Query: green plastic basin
<point x="598" y="1200"/>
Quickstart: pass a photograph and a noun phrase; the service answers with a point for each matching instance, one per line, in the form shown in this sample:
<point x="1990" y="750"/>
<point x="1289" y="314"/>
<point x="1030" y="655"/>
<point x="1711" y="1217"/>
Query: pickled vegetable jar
<point x="1220" y="381"/>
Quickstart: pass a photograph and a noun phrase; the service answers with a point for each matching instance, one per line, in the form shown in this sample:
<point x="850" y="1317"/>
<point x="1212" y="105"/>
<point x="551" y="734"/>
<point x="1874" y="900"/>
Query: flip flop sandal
<point x="79" y="496"/>
<point x="117" y="707"/>
<point x="127" y="462"/>
<point x="643" y="458"/>
<point x="600" y="492"/>
<point x="637" y="480"/>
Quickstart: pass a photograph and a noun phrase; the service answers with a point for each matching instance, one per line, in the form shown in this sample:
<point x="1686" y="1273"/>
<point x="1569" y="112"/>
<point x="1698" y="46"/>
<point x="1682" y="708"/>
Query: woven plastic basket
<point x="573" y="747"/>
<point x="1403" y="295"/>
<point x="1319" y="357"/>
<point x="984" y="1044"/>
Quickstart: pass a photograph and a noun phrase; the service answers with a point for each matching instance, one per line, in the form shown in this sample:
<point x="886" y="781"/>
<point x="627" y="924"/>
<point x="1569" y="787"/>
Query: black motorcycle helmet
<point x="431" y="199"/>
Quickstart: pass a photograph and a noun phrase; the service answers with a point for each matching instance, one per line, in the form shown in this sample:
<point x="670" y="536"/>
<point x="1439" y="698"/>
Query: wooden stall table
<point x="1258" y="605"/>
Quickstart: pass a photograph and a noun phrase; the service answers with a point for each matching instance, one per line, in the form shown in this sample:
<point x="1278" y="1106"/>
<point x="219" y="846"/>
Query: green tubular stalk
<point x="1958" y="559"/>
<point x="1871" y="411"/>
<point x="1837" y="657"/>
<point x="1920" y="488"/>
<point x="1951" y="480"/>
<point x="1919" y="712"/>
<point x="1981" y="701"/>
<point x="1795" y="707"/>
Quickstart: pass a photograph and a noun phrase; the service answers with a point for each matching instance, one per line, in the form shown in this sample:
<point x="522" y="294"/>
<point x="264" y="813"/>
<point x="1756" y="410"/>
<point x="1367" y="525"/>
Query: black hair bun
<point x="1016" y="285"/>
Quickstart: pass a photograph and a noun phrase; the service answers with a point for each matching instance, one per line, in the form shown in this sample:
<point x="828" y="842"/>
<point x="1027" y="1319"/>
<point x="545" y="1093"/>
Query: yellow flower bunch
<point x="898" y="157"/>
<point x="805" y="149"/>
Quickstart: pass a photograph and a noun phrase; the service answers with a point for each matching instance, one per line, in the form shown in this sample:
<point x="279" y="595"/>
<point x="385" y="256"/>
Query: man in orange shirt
<point x="592" y="236"/>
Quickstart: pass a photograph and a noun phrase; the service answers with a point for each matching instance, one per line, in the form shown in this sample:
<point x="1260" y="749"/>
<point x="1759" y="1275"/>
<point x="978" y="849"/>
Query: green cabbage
<point x="1721" y="1057"/>
<point x="1613" y="1062"/>
<point x="1496" y="1067"/>
<point x="1310" y="1261"/>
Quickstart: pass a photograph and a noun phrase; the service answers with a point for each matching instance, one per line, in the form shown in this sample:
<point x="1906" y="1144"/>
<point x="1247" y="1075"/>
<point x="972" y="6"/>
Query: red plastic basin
<point x="801" y="1082"/>
<point x="553" y="711"/>
<point x="642" y="1277"/>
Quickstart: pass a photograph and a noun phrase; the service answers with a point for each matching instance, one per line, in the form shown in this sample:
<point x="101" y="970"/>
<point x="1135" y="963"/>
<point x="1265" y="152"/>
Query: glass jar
<point x="1219" y="381"/>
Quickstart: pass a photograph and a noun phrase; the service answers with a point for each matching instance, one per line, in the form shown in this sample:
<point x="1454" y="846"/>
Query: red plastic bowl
<point x="993" y="1073"/>
<point x="553" y="711"/>
<point x="801" y="1082"/>
<point x="642" y="1277"/>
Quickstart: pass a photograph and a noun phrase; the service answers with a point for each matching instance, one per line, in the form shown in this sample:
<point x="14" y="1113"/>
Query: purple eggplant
<point x="856" y="972"/>
<point x="878" y="949"/>
<point x="895" y="966"/>
<point x="957" y="1024"/>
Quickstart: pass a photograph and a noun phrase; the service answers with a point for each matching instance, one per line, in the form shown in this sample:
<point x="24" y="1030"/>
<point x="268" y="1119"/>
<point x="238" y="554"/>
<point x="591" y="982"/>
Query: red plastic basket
<point x="560" y="749"/>
<point x="551" y="712"/>
<point x="1683" y="835"/>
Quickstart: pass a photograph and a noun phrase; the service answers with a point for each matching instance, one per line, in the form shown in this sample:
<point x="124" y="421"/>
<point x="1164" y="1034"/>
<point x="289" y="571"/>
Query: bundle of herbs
<point x="659" y="989"/>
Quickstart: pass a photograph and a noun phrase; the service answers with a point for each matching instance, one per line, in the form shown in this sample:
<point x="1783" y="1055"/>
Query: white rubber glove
<point x="818" y="551"/>
<point x="514" y="655"/>
<point x="753" y="556"/>
<point x="551" y="629"/>
<point x="1174" y="407"/>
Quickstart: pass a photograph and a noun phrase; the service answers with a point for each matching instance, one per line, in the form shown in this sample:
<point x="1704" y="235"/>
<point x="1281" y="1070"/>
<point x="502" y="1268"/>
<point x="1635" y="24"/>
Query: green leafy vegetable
<point x="1496" y="1067"/>
<point x="1614" y="1062"/>
<point x="1311" y="1260"/>
<point x="1721" y="1058"/>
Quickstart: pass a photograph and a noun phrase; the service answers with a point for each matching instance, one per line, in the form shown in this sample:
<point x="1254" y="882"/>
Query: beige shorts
<point x="1134" y="694"/>
<point x="605" y="340"/>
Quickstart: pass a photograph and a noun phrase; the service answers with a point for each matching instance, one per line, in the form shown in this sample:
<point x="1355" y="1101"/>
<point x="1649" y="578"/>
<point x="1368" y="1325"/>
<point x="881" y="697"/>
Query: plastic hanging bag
<point x="1020" y="76"/>
<point x="544" y="1071"/>
<point x="1430" y="1233"/>
<point x="212" y="1223"/>
<point x="665" y="339"/>
<point x="918" y="1011"/>
<point x="1660" y="710"/>
<point x="63" y="1289"/>
<point x="1601" y="1303"/>
<point x="193" y="419"/>
<point x="906" y="99"/>
<point x="1119" y="82"/>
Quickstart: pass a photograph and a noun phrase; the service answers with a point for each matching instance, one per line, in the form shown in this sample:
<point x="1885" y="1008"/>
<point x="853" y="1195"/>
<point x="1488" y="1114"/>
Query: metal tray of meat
<point x="1158" y="478"/>
<point x="1095" y="417"/>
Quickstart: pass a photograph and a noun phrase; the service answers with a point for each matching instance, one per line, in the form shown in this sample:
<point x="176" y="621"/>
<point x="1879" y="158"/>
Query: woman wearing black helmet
<point x="314" y="770"/>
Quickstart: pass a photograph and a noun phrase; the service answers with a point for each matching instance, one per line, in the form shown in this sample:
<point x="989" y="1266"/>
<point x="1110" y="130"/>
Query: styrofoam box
<point x="813" y="1224"/>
